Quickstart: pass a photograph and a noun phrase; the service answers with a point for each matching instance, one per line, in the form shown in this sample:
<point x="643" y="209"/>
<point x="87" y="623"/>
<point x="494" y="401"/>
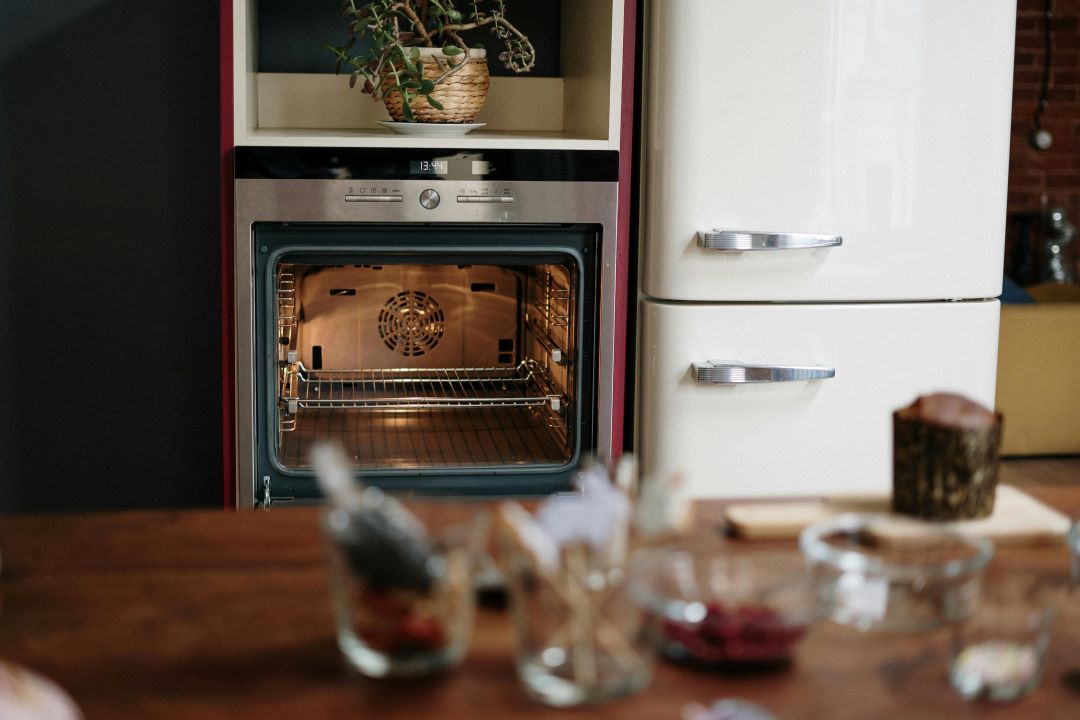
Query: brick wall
<point x="1053" y="173"/>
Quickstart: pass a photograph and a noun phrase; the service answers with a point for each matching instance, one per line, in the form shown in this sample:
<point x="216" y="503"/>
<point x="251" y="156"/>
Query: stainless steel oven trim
<point x="278" y="200"/>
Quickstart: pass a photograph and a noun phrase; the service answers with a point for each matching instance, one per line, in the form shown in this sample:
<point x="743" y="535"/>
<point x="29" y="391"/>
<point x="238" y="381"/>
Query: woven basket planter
<point x="462" y="94"/>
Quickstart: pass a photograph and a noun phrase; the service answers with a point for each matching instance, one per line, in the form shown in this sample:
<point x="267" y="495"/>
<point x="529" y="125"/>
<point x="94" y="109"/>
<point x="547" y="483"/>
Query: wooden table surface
<point x="221" y="615"/>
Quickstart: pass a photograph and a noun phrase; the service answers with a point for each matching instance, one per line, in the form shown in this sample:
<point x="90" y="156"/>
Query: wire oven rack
<point x="526" y="385"/>
<point x="429" y="439"/>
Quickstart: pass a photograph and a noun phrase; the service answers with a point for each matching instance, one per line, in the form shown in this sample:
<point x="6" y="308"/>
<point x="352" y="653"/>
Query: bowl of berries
<point x="718" y="609"/>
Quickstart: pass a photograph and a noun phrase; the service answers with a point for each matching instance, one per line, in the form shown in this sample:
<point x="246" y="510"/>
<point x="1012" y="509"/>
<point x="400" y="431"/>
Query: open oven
<point x="445" y="316"/>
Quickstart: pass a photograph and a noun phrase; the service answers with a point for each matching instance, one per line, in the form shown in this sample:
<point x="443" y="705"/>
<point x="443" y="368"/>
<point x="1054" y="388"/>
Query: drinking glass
<point x="579" y="636"/>
<point x="998" y="652"/>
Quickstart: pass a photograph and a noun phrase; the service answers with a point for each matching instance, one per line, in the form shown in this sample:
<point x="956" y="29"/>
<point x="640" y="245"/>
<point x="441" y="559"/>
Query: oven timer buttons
<point x="372" y="198"/>
<point x="429" y="199"/>
<point x="487" y="199"/>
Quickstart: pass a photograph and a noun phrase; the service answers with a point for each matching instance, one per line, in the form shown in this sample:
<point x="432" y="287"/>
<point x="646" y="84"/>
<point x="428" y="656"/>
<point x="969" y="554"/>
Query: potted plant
<point x="415" y="60"/>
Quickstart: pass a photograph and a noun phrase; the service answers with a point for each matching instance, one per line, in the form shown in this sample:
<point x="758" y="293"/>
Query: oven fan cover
<point x="411" y="323"/>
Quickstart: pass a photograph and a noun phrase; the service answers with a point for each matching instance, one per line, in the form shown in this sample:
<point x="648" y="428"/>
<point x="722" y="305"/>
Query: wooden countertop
<point x="220" y="615"/>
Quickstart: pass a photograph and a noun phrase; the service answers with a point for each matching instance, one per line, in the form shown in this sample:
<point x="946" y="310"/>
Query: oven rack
<point x="435" y="439"/>
<point x="526" y="385"/>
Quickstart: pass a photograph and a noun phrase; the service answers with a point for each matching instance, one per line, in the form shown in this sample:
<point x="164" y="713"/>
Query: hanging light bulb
<point x="1040" y="138"/>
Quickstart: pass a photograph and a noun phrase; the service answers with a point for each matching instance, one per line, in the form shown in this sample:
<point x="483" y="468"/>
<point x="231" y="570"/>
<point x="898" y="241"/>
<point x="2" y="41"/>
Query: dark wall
<point x="291" y="35"/>
<point x="109" y="255"/>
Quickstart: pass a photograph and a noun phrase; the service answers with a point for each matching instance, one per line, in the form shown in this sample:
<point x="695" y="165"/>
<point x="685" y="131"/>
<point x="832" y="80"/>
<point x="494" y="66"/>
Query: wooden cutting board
<point x="1018" y="518"/>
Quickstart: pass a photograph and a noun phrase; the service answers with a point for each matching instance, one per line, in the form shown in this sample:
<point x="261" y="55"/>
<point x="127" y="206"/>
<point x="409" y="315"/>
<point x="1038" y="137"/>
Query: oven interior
<point x="430" y="354"/>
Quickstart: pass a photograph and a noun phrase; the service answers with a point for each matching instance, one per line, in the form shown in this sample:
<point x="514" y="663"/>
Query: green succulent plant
<point x="397" y="28"/>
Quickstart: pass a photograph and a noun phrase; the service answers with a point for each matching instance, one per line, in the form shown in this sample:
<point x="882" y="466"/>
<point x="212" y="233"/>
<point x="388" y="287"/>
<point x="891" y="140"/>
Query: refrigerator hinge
<point x="268" y="499"/>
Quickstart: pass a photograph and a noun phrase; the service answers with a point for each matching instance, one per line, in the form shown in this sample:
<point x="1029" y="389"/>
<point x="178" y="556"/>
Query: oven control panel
<point x="430" y="198"/>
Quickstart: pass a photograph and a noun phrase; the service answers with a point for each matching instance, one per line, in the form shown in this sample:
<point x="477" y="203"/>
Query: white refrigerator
<point x="822" y="232"/>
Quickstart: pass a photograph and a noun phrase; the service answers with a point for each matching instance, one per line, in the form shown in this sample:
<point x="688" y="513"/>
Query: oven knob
<point x="429" y="199"/>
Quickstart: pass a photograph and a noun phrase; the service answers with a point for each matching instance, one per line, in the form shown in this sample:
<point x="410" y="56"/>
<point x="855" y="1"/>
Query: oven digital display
<point x="429" y="167"/>
<point x="432" y="163"/>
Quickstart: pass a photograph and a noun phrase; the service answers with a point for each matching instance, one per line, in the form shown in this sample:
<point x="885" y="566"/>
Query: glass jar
<point x="579" y="636"/>
<point x="395" y="624"/>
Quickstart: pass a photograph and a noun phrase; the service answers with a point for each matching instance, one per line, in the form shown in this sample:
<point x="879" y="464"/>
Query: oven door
<point x="444" y="359"/>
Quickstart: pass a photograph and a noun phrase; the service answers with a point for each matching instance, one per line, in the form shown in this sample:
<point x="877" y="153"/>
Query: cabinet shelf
<point x="579" y="111"/>
<point x="478" y="139"/>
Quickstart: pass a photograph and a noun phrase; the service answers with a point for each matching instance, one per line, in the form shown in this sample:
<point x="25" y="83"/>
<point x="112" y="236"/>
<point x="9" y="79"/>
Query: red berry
<point x="748" y="634"/>
<point x="423" y="631"/>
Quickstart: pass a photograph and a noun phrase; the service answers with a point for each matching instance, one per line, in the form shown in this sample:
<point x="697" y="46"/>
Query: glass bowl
<point x="389" y="625"/>
<point x="725" y="610"/>
<point x="878" y="572"/>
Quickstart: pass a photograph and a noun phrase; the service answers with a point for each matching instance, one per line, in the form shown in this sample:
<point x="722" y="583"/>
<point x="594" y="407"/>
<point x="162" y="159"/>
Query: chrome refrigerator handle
<point x="735" y="373"/>
<point x="741" y="240"/>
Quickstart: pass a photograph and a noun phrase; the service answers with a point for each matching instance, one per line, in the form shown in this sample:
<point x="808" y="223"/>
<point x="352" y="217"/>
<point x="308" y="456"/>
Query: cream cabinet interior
<point x="578" y="111"/>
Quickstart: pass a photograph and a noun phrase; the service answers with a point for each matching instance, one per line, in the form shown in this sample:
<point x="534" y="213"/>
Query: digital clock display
<point x="429" y="167"/>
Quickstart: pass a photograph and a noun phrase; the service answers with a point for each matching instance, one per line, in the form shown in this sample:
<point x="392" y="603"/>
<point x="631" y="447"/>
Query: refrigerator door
<point x="774" y="400"/>
<point x="827" y="149"/>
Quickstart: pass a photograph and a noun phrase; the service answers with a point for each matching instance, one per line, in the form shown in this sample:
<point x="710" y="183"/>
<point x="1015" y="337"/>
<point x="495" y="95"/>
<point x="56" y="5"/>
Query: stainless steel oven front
<point x="446" y="316"/>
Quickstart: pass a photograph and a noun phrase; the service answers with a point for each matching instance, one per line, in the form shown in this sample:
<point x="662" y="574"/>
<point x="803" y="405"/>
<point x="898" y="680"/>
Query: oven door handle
<point x="743" y="240"/>
<point x="722" y="372"/>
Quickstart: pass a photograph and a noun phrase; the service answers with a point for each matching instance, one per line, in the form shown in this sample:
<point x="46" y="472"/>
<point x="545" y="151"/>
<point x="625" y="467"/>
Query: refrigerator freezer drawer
<point x="835" y="150"/>
<point x="793" y="400"/>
